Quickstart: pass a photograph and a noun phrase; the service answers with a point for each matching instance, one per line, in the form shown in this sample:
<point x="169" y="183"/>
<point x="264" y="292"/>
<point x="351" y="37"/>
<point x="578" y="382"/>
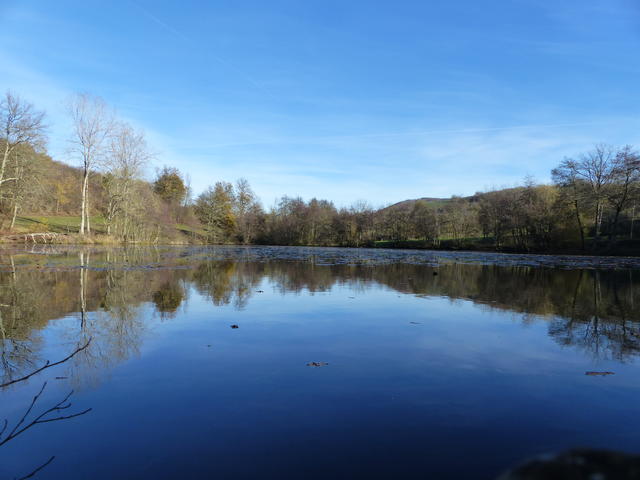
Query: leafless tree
<point x="244" y="207"/>
<point x="622" y="190"/>
<point x="566" y="177"/>
<point x="595" y="168"/>
<point x="21" y="125"/>
<point x="93" y="125"/>
<point x="128" y="156"/>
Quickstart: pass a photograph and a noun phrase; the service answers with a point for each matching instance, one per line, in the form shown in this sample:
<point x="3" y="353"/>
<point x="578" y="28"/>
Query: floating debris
<point x="61" y="378"/>
<point x="259" y="291"/>
<point x="599" y="374"/>
<point x="317" y="364"/>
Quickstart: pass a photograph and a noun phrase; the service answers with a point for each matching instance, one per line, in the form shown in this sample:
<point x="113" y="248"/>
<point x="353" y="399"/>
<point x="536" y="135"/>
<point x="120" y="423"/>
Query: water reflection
<point x="152" y="317"/>
<point x="34" y="414"/>
<point x="169" y="297"/>
<point x="593" y="310"/>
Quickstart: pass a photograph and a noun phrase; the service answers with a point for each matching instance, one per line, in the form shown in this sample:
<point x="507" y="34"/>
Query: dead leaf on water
<point x="317" y="364"/>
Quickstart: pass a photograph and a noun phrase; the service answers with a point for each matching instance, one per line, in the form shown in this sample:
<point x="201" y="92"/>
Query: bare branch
<point x="48" y="365"/>
<point x="37" y="469"/>
<point x="62" y="405"/>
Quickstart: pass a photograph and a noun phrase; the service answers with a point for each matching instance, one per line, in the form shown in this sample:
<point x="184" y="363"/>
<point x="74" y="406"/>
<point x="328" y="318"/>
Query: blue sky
<point x="346" y="100"/>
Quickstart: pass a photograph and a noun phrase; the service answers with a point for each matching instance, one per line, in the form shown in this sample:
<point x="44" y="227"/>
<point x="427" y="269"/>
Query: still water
<point x="344" y="363"/>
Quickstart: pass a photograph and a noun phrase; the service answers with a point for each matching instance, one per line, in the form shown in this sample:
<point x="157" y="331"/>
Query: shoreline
<point x="75" y="240"/>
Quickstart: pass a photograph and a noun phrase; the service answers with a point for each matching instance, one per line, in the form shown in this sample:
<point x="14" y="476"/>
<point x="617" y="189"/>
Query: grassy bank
<point x="622" y="248"/>
<point x="65" y="230"/>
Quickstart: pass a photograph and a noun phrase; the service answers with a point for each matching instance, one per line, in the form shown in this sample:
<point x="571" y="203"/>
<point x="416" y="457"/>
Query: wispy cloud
<point x="205" y="52"/>
<point x="416" y="133"/>
<point x="161" y="24"/>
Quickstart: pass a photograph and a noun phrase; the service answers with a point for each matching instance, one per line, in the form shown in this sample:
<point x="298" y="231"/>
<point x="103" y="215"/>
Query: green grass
<point x="188" y="229"/>
<point x="444" y="243"/>
<point x="58" y="224"/>
<point x="401" y="244"/>
<point x="71" y="224"/>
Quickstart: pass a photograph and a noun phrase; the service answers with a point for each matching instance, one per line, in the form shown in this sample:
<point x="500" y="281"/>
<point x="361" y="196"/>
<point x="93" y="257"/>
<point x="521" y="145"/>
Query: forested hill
<point x="408" y="204"/>
<point x="535" y="218"/>
<point x="46" y="197"/>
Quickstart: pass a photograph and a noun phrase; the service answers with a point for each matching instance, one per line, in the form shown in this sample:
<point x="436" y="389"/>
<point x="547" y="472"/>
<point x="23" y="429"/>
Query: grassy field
<point x="56" y="224"/>
<point x="71" y="225"/>
<point x="189" y="230"/>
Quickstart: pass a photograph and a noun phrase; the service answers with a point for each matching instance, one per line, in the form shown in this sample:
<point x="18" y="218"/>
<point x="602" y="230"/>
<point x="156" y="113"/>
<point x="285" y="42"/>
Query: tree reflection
<point x="168" y="298"/>
<point x="226" y="282"/>
<point x="58" y="412"/>
<point x="593" y="310"/>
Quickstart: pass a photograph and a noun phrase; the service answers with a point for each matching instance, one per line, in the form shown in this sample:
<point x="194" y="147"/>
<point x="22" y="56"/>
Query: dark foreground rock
<point x="579" y="464"/>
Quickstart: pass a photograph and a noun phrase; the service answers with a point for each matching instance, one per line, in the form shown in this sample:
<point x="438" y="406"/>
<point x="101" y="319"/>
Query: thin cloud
<point x="193" y="44"/>
<point x="417" y="133"/>
<point x="160" y="23"/>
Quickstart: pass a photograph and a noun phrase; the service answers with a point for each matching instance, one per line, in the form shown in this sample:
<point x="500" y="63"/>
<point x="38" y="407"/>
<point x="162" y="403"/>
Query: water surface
<point x="432" y="365"/>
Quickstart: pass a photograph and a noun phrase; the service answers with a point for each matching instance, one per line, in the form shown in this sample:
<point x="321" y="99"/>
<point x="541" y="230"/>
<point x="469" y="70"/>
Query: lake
<point x="291" y="363"/>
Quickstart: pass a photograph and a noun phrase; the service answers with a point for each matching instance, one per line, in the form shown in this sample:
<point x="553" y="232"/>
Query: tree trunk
<point x="15" y="213"/>
<point x="598" y="220"/>
<point x="614" y="228"/>
<point x="83" y="301"/>
<point x="86" y="210"/>
<point x="83" y="204"/>
<point x="575" y="204"/>
<point x="5" y="157"/>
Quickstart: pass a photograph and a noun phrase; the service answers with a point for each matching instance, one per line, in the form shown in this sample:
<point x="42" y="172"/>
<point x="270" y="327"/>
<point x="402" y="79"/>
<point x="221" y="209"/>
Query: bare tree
<point x="92" y="128"/>
<point x="128" y="156"/>
<point x="188" y="196"/>
<point x="566" y="177"/>
<point x="592" y="172"/>
<point x="596" y="167"/>
<point x="621" y="191"/>
<point x="21" y="125"/>
<point x="244" y="207"/>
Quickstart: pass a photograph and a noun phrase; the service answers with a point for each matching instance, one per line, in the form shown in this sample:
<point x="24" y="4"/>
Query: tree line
<point x="591" y="205"/>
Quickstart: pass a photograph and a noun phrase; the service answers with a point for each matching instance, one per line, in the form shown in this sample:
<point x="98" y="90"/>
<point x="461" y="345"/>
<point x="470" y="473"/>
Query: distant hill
<point x="441" y="202"/>
<point x="408" y="204"/>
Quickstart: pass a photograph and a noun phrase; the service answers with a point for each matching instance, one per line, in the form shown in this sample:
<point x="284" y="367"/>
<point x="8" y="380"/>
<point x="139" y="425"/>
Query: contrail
<point x="194" y="44"/>
<point x="470" y="130"/>
<point x="412" y="134"/>
<point x="159" y="22"/>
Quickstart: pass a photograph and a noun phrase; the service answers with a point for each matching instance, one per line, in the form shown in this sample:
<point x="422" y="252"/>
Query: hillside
<point x="47" y="198"/>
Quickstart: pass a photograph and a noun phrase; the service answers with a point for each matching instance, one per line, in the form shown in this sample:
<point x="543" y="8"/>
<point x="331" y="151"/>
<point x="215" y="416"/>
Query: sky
<point x="344" y="100"/>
